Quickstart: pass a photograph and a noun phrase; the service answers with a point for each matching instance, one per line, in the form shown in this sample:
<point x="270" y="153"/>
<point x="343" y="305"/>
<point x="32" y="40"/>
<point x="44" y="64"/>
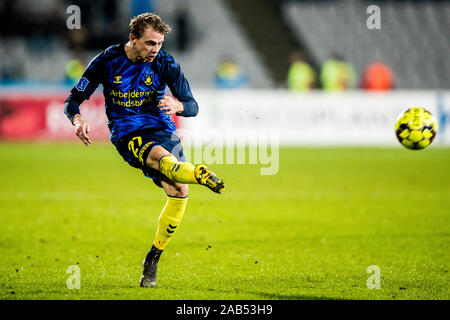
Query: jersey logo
<point x="118" y="79"/>
<point x="82" y="84"/>
<point x="148" y="80"/>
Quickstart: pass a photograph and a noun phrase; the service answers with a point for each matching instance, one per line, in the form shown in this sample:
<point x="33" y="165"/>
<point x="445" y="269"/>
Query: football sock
<point x="169" y="221"/>
<point x="153" y="255"/>
<point x="175" y="170"/>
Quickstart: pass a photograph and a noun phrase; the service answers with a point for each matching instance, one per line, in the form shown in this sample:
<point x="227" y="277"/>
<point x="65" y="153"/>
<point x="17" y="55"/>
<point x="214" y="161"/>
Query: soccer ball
<point x="416" y="128"/>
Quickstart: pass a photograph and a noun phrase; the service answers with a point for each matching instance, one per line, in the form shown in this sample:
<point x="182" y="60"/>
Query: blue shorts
<point x="135" y="147"/>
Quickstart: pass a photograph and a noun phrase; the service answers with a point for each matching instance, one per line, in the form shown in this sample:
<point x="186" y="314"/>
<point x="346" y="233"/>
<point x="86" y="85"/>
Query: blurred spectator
<point x="182" y="26"/>
<point x="301" y="76"/>
<point x="77" y="38"/>
<point x="229" y="75"/>
<point x="74" y="70"/>
<point x="337" y="75"/>
<point x="378" y="76"/>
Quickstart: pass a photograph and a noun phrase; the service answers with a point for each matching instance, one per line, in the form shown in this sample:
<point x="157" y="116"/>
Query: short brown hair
<point x="141" y="22"/>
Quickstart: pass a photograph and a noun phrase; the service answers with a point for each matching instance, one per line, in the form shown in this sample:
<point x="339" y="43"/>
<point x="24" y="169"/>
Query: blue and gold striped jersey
<point x="132" y="91"/>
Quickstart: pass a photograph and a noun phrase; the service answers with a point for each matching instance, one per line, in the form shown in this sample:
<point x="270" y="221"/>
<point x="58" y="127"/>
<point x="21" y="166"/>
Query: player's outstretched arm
<point x="82" y="129"/>
<point x="72" y="111"/>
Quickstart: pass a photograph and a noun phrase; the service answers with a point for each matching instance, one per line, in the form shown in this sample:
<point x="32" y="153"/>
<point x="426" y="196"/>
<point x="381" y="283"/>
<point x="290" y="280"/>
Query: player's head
<point x="147" y="32"/>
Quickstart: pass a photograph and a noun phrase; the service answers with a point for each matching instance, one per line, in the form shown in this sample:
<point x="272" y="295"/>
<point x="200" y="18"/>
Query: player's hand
<point x="170" y="105"/>
<point x="83" y="129"/>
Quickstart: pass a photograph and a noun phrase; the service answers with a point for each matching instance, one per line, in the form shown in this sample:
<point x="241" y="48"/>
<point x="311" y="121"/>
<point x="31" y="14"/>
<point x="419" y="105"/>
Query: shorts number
<point x="132" y="146"/>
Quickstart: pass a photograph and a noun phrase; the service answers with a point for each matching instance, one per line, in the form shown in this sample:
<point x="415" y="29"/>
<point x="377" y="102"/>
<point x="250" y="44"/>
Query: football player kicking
<point x="134" y="77"/>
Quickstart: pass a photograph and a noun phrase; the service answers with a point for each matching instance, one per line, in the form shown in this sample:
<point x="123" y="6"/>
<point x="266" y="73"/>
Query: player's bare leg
<point x="167" y="225"/>
<point x="183" y="172"/>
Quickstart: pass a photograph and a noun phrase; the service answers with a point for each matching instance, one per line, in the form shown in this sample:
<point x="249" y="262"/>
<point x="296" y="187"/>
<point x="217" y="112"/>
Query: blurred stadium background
<point x="312" y="73"/>
<point x="262" y="51"/>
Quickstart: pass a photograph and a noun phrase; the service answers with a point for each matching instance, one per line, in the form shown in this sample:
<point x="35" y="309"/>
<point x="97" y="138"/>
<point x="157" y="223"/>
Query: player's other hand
<point x="82" y="128"/>
<point x="169" y="105"/>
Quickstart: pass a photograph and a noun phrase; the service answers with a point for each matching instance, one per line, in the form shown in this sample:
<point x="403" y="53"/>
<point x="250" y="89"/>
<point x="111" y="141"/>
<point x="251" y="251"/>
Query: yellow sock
<point x="182" y="172"/>
<point x="169" y="220"/>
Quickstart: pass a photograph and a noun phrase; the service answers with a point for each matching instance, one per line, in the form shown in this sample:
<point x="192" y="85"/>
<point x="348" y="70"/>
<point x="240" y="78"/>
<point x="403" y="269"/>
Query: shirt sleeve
<point x="72" y="106"/>
<point x="91" y="78"/>
<point x="180" y="88"/>
<point x="85" y="87"/>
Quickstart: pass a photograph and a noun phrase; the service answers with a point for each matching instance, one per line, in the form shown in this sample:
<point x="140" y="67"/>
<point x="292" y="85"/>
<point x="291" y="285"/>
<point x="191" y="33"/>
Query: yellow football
<point x="416" y="128"/>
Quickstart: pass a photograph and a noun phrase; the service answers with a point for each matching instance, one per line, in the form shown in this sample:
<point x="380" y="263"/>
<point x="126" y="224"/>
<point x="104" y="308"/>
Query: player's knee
<point x="154" y="156"/>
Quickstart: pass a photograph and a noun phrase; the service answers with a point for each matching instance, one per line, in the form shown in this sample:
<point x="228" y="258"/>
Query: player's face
<point x="148" y="46"/>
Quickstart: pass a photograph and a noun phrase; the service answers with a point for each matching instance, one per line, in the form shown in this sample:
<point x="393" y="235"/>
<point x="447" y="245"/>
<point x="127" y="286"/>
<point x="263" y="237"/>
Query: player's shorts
<point x="135" y="147"/>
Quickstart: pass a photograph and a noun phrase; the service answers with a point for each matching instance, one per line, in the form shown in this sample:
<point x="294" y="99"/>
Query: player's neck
<point x="131" y="53"/>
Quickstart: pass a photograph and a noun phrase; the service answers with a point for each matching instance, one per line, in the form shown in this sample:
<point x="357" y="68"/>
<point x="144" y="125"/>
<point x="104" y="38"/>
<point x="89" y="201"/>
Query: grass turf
<point x="309" y="232"/>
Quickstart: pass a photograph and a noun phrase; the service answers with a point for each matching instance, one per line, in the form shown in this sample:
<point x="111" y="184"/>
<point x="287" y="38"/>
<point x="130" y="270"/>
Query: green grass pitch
<point x="309" y="232"/>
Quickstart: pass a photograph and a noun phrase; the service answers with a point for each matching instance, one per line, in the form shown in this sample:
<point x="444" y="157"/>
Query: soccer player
<point x="134" y="77"/>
